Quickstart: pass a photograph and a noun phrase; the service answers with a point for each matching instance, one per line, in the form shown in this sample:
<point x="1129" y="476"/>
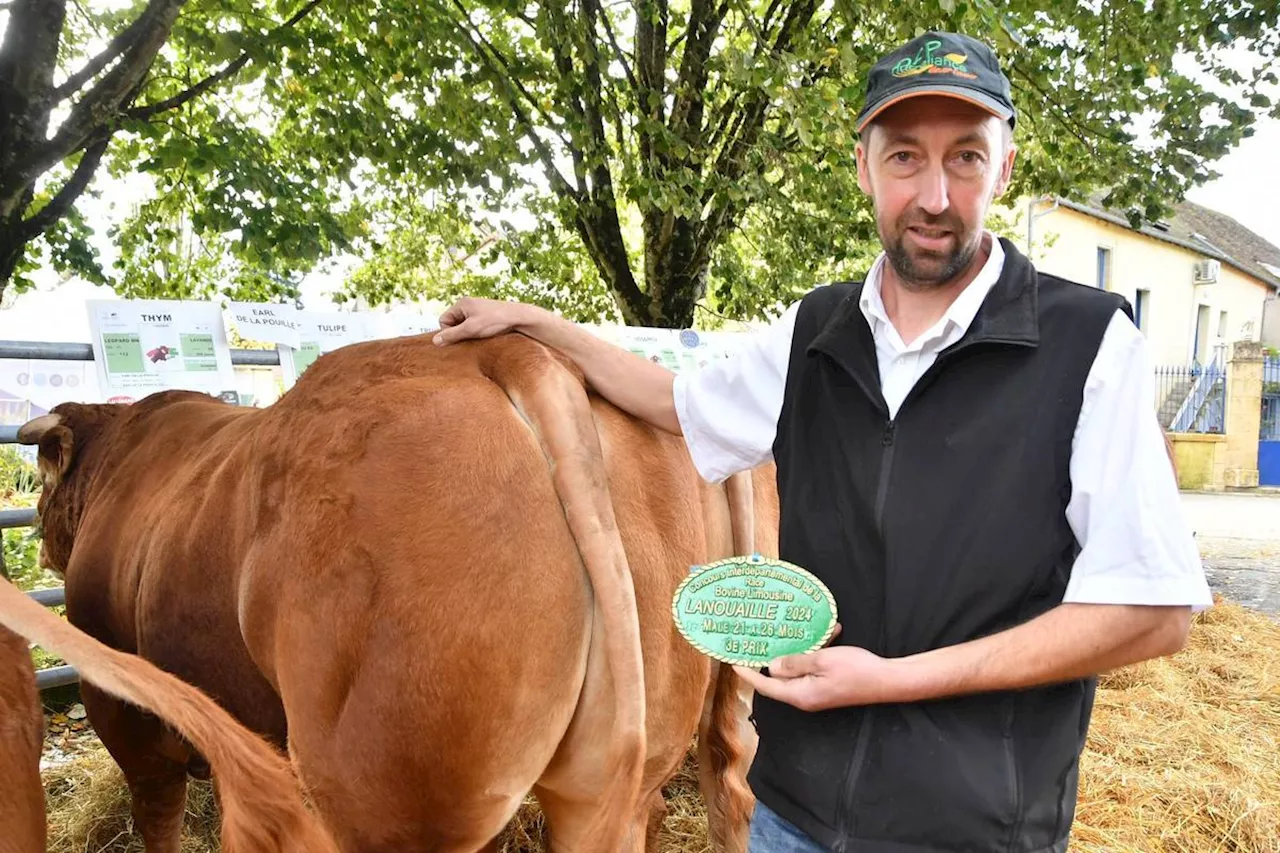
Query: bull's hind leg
<point x="572" y="825"/>
<point x="154" y="763"/>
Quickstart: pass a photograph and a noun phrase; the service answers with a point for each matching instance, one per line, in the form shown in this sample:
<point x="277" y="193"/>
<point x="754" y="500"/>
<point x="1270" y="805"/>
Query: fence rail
<point x="52" y="351"/>
<point x="1270" y="427"/>
<point x="1193" y="397"/>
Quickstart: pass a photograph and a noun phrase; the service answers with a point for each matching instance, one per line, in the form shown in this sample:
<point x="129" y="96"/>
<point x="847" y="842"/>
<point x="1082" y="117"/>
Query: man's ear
<point x="1006" y="171"/>
<point x="860" y="156"/>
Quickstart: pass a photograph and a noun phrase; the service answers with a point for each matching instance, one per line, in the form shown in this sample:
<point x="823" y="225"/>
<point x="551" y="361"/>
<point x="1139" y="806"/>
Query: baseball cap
<point x="938" y="63"/>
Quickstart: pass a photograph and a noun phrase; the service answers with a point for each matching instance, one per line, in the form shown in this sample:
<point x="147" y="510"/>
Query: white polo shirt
<point x="1125" y="510"/>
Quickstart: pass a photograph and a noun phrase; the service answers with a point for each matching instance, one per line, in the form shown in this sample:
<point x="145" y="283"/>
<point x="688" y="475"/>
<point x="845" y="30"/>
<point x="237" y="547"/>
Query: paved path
<point x="1239" y="539"/>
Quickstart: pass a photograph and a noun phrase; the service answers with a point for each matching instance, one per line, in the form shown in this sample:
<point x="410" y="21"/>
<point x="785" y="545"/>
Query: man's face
<point x="932" y="165"/>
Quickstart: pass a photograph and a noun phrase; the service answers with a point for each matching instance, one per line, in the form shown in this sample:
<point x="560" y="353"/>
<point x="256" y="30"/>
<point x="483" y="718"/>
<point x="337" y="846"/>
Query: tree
<point x="724" y="130"/>
<point x="132" y="99"/>
<point x="664" y="154"/>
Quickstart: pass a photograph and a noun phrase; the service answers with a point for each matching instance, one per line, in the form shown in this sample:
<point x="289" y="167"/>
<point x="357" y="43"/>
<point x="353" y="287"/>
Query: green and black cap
<point x="936" y="63"/>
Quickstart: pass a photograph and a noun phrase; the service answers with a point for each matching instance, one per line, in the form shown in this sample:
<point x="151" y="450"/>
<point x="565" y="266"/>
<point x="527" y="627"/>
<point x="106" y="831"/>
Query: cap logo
<point x="926" y="61"/>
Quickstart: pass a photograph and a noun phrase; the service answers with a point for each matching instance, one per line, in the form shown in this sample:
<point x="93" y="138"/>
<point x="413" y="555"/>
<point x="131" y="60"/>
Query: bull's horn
<point x="33" y="430"/>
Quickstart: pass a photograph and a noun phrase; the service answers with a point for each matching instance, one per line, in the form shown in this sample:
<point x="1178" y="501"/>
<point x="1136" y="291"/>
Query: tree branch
<point x="232" y="68"/>
<point x="558" y="182"/>
<point x="58" y="206"/>
<point x="560" y="39"/>
<point x="617" y="51"/>
<point x="497" y="62"/>
<point x="102" y="103"/>
<point x="686" y="112"/>
<point x="1076" y="127"/>
<point x="118" y="45"/>
<point x="651" y="64"/>
<point x="731" y="162"/>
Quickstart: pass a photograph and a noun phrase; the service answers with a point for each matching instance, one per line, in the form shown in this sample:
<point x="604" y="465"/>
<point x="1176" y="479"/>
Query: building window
<point x="1222" y="325"/>
<point x="1142" y="310"/>
<point x="1104" y="268"/>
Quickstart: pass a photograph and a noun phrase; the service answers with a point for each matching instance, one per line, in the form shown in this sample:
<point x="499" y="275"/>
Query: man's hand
<point x="470" y="318"/>
<point x="631" y="383"/>
<point x="1068" y="642"/>
<point x="833" y="677"/>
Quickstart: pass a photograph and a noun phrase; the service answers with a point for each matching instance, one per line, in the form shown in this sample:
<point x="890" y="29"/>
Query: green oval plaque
<point x="752" y="610"/>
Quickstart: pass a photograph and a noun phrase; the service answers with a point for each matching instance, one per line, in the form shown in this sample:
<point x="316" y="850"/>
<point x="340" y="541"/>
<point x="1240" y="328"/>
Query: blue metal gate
<point x="1269" y="434"/>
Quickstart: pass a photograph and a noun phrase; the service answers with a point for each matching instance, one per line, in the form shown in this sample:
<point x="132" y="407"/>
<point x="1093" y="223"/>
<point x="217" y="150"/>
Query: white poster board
<point x="141" y="346"/>
<point x="677" y="350"/>
<point x="272" y="324"/>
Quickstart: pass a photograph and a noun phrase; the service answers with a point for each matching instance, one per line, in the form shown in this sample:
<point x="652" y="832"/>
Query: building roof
<point x="1201" y="230"/>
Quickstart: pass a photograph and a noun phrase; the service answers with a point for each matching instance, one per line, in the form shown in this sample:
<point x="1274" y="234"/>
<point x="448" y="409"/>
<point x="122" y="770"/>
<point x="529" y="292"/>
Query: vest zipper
<point x="864" y="731"/>
<point x="851" y="780"/>
<point x="886" y="461"/>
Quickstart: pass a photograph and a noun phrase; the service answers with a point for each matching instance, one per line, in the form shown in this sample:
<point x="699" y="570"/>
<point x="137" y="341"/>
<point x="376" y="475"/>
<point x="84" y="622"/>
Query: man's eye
<point x="902" y="157"/>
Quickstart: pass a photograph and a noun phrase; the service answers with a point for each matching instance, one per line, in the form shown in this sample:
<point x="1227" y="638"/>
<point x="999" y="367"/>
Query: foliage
<point x="139" y="86"/>
<point x="661" y="154"/>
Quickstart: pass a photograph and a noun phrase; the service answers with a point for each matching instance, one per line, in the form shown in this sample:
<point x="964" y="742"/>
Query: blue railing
<point x="1270" y="428"/>
<point x="1194" y="398"/>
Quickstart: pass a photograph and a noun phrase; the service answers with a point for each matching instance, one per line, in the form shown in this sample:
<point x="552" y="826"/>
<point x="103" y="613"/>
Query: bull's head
<point x="64" y="438"/>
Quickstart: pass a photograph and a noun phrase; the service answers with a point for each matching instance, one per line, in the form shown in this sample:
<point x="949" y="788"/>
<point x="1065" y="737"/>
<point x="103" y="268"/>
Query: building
<point x="1196" y="281"/>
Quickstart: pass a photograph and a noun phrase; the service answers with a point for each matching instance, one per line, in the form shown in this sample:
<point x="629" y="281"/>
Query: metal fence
<point x="1193" y="397"/>
<point x="61" y="676"/>
<point x="1270" y="430"/>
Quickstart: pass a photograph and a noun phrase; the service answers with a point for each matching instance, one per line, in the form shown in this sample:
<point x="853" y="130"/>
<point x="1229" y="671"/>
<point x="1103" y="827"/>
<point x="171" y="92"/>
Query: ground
<point x="1239" y="539"/>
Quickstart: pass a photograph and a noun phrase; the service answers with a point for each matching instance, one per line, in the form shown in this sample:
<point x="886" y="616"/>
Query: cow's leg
<point x="154" y="763"/>
<point x="571" y="821"/>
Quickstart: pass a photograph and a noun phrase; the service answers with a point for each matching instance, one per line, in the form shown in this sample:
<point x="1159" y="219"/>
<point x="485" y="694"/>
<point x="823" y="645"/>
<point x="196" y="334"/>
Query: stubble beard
<point x="920" y="269"/>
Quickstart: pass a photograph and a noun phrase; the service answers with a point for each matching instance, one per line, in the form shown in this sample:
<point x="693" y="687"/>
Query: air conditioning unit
<point x="1206" y="271"/>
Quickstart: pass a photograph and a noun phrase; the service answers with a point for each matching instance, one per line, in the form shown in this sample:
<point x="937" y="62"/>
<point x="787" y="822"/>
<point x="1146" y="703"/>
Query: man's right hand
<point x="631" y="383"/>
<point x="471" y="318"/>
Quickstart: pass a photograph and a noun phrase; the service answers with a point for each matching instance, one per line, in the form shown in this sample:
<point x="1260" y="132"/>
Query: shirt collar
<point x="959" y="315"/>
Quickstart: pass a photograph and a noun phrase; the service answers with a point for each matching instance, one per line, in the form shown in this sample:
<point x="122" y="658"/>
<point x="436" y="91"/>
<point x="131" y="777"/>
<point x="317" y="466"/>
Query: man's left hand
<point x="831" y="677"/>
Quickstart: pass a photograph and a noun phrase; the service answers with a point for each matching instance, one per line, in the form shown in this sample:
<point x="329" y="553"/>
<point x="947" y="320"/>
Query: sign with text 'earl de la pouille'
<point x="303" y="336"/>
<point x="141" y="346"/>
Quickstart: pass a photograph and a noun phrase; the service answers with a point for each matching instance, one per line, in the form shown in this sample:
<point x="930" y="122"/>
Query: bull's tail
<point x="723" y="754"/>
<point x="261" y="803"/>
<point x="553" y="400"/>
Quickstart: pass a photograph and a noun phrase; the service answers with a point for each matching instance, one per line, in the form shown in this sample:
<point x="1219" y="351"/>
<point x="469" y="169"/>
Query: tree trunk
<point x="676" y="262"/>
<point x="10" y="254"/>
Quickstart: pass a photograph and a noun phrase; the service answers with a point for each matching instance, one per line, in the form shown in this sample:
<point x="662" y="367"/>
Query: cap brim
<point x="958" y="92"/>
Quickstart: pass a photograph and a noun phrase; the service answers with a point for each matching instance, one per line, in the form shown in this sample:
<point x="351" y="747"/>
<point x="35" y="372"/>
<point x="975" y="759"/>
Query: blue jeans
<point x="772" y="834"/>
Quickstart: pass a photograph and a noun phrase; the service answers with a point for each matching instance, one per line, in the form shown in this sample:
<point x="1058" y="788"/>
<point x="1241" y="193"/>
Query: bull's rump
<point x="430" y="636"/>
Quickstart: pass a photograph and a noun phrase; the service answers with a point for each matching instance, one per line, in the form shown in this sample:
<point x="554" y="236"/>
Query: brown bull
<point x="262" y="807"/>
<point x="445" y="573"/>
<point x="21" y="735"/>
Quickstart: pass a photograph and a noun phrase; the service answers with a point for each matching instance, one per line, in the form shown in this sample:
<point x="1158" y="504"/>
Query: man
<point x="968" y="456"/>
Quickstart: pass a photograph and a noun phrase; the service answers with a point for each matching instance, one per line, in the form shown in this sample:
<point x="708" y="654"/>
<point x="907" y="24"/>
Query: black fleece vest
<point x="942" y="525"/>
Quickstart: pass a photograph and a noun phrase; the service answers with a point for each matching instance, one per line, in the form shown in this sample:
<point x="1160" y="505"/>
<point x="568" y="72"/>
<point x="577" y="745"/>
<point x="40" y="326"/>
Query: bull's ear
<point x="55" y="454"/>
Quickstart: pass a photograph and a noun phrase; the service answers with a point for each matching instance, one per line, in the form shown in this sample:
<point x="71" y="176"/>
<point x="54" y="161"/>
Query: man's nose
<point x="932" y="190"/>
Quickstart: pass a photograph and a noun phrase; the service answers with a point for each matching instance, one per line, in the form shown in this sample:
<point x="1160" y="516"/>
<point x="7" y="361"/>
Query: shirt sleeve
<point x="728" y="410"/>
<point x="1125" y="508"/>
